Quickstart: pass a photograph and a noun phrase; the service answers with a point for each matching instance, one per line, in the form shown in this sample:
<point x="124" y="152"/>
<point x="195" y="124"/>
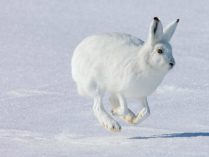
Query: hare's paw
<point x="142" y="115"/>
<point x="129" y="118"/>
<point x="109" y="124"/>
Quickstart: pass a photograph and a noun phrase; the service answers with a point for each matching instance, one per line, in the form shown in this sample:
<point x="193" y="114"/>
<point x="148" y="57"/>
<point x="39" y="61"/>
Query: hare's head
<point x="157" y="46"/>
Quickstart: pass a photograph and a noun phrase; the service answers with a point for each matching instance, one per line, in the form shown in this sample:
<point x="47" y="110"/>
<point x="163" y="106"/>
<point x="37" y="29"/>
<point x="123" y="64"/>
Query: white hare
<point x="124" y="66"/>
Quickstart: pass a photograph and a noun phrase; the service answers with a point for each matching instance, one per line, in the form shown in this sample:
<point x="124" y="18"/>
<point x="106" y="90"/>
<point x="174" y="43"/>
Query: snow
<point x="41" y="114"/>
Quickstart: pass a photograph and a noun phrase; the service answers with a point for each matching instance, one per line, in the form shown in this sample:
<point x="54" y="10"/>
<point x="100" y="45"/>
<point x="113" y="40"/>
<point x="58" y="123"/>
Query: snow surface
<point x="41" y="114"/>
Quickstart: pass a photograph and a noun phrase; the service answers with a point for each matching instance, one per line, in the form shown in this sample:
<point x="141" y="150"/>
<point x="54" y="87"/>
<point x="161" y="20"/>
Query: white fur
<point x="123" y="66"/>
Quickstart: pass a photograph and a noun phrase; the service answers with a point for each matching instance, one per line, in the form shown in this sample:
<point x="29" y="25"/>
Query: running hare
<point x="124" y="66"/>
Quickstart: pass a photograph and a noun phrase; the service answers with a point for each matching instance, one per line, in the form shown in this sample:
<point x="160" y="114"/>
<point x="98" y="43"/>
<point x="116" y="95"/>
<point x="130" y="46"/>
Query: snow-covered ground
<point x="41" y="114"/>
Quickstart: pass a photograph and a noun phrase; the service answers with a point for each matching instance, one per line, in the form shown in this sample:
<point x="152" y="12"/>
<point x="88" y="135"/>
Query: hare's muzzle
<point x="172" y="63"/>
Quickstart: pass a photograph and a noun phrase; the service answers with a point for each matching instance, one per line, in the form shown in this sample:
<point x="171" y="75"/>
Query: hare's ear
<point x="155" y="31"/>
<point x="169" y="30"/>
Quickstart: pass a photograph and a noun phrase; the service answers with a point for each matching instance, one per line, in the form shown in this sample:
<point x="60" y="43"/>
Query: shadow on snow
<point x="175" y="135"/>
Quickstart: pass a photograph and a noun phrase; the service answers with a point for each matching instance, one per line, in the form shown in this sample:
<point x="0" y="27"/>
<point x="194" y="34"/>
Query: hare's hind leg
<point x="119" y="108"/>
<point x="103" y="117"/>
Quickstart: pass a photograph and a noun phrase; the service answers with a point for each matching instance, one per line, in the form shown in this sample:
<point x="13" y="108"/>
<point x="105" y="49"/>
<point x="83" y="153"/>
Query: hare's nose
<point x="171" y="64"/>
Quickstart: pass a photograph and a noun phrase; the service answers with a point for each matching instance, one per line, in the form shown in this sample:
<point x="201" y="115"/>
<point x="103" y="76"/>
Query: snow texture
<point x="41" y="114"/>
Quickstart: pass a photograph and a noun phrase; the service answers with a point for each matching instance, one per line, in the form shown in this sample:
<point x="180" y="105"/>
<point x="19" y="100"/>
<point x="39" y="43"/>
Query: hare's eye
<point x="160" y="51"/>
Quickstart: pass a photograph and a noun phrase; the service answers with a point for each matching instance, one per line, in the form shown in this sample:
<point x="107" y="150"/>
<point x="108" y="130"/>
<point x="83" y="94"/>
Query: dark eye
<point x="160" y="51"/>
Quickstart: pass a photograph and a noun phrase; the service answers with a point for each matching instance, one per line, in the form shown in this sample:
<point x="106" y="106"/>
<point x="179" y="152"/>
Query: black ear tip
<point x="156" y="18"/>
<point x="177" y="20"/>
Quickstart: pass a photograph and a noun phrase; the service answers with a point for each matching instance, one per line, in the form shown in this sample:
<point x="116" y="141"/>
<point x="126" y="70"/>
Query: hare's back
<point x="100" y="56"/>
<point x="107" y="45"/>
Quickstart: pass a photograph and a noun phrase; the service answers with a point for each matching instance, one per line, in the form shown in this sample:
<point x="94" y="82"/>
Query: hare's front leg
<point x="119" y="108"/>
<point x="119" y="105"/>
<point x="103" y="117"/>
<point x="144" y="113"/>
